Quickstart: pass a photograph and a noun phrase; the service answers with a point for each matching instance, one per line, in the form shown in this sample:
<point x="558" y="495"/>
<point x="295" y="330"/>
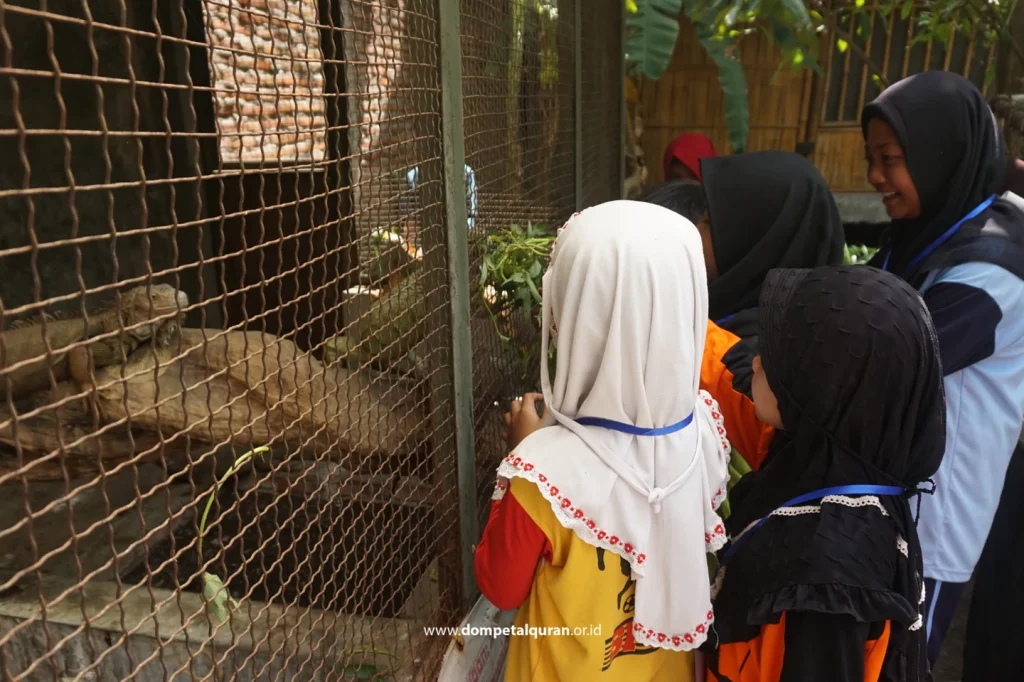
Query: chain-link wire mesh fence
<point x="229" y="329"/>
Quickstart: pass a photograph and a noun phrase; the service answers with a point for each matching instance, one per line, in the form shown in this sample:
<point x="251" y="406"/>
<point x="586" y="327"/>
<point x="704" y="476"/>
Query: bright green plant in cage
<point x="512" y="269"/>
<point x="858" y="254"/>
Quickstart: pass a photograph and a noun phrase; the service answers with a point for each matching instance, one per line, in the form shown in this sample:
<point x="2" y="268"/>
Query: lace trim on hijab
<point x="715" y="536"/>
<point x="856" y="502"/>
<point x="678" y="642"/>
<point x="715" y="539"/>
<point x="576" y="520"/>
<point x="570" y="516"/>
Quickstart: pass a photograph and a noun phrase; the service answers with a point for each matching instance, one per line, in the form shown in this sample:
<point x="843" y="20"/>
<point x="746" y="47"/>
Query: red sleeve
<point x="507" y="555"/>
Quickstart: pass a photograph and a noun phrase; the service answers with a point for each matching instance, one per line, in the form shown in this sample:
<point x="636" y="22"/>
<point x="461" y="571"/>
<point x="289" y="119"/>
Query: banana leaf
<point x="733" y="81"/>
<point x="651" y="33"/>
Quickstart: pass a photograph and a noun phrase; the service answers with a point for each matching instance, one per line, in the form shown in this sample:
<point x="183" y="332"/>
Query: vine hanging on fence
<point x="214" y="589"/>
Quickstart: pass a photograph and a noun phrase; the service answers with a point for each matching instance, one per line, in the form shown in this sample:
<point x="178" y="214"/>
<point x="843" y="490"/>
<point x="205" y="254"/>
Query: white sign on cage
<point x="476" y="653"/>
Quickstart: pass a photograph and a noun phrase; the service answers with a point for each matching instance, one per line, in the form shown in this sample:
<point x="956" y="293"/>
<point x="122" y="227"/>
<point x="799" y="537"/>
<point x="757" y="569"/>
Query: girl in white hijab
<point x="602" y="516"/>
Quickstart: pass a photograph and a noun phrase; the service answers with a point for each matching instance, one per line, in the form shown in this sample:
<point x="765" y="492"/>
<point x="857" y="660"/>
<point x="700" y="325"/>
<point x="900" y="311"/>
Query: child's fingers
<point x="530" y="401"/>
<point x="515" y="407"/>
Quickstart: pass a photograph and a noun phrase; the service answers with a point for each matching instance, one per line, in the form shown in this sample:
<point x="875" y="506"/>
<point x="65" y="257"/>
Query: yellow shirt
<point x="588" y="591"/>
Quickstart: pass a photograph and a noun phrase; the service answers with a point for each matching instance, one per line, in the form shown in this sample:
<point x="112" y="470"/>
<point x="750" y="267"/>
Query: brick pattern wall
<point x="383" y="109"/>
<point x="267" y="68"/>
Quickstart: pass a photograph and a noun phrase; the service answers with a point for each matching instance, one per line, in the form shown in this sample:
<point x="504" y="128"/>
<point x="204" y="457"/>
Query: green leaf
<point x="216" y="592"/>
<point x="859" y="3"/>
<point x="535" y="269"/>
<point x="990" y="74"/>
<point x="842" y="45"/>
<point x="483" y="272"/>
<point x="533" y="290"/>
<point x="651" y="35"/>
<point x="863" y="25"/>
<point x="908" y="7"/>
<point x="798" y="15"/>
<point x="734" y="84"/>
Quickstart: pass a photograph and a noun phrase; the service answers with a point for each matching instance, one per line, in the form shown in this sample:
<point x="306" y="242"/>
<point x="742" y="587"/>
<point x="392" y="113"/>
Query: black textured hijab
<point x="957" y="158"/>
<point x="852" y="358"/>
<point x="767" y="210"/>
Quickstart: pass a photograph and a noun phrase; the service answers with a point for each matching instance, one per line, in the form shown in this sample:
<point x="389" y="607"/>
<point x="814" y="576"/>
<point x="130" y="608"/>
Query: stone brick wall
<point x="267" y="68"/>
<point x="383" y="109"/>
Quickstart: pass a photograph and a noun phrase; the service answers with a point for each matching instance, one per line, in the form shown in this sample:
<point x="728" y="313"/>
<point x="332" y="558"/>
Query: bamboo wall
<point x="788" y="108"/>
<point x="688" y="98"/>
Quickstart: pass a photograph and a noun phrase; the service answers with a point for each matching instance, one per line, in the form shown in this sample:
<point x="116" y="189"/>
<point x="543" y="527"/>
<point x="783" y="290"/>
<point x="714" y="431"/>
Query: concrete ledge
<point x="172" y="638"/>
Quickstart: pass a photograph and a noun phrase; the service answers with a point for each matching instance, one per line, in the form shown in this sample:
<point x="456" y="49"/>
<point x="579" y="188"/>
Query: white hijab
<point x="626" y="296"/>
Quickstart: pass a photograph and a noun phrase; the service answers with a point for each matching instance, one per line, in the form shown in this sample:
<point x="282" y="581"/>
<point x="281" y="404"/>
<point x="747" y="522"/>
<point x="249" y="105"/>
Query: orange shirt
<point x="836" y="650"/>
<point x="748" y="434"/>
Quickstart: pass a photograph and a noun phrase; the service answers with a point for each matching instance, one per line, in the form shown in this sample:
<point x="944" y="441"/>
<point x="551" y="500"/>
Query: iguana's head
<point x="388" y="257"/>
<point x="161" y="303"/>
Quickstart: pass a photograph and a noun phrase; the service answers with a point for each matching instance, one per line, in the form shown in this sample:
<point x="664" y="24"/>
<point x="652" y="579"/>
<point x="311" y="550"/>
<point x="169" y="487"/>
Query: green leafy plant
<point x="858" y="254"/>
<point x="511" y="273"/>
<point x="738" y="468"/>
<point x="513" y="265"/>
<point x="652" y="28"/>
<point x="214" y="589"/>
<point x="796" y="27"/>
<point x="733" y="81"/>
<point x="368" y="671"/>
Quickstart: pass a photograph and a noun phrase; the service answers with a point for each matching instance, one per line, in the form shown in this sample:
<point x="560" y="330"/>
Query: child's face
<point x="766" y="407"/>
<point x="704" y="227"/>
<point x="888" y="171"/>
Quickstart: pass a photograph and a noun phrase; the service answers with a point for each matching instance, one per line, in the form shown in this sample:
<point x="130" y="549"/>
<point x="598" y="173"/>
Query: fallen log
<point x="240" y="388"/>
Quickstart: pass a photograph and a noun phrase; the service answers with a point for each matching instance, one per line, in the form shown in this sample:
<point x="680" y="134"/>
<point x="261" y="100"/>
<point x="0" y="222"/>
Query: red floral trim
<point x="719" y="497"/>
<point x="678" y="642"/>
<point x="716" y="414"/>
<point x="500" y="488"/>
<point x="558" y="233"/>
<point x="551" y="492"/>
<point x="715" y="538"/>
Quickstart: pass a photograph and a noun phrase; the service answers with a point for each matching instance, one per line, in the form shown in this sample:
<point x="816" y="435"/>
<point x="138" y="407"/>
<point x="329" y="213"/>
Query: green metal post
<point x="454" y="164"/>
<point x="578" y="92"/>
<point x="623" y="111"/>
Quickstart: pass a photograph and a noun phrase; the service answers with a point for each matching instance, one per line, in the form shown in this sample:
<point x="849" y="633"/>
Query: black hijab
<point x="957" y="158"/>
<point x="767" y="210"/>
<point x="852" y="358"/>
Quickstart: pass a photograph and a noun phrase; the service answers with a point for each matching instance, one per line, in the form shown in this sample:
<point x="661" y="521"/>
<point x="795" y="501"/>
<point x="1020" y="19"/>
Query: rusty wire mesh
<point x="224" y="230"/>
<point x="518" y="71"/>
<point x="602" y="90"/>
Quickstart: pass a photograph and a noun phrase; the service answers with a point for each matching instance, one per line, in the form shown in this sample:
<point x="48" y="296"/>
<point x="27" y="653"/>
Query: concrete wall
<point x="133" y="172"/>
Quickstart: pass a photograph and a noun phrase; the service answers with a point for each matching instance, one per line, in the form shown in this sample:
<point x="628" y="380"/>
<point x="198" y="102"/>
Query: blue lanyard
<point x="817" y="495"/>
<point x="928" y="250"/>
<point x="729" y="317"/>
<point x="635" y="430"/>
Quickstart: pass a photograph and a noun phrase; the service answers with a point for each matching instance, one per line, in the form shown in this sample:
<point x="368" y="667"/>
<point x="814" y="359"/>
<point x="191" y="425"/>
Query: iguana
<point x="388" y="258"/>
<point x="145" y="314"/>
<point x="389" y="331"/>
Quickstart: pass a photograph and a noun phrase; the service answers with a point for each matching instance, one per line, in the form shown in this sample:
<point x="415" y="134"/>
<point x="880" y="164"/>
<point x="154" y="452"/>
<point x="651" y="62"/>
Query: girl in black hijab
<point x="765" y="210"/>
<point x="937" y="156"/>
<point x="755" y="212"/>
<point x="829" y="586"/>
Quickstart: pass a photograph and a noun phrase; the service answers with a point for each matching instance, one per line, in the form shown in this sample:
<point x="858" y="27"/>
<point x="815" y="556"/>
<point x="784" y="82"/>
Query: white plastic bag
<point x="477" y="653"/>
